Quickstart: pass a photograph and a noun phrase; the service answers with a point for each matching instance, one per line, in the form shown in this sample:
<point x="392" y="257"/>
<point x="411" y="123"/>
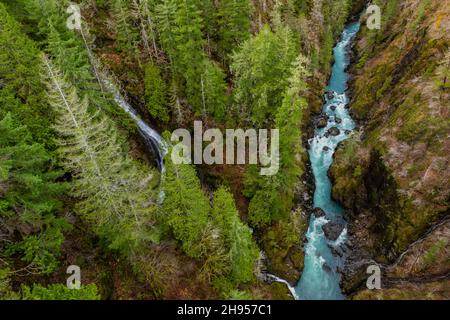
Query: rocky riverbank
<point x="392" y="176"/>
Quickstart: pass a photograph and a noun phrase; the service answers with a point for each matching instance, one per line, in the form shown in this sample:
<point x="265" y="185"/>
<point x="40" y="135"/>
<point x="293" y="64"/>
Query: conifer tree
<point x="142" y="11"/>
<point x="156" y="95"/>
<point x="21" y="92"/>
<point x="213" y="88"/>
<point x="273" y="195"/>
<point x="186" y="208"/>
<point x="289" y="121"/>
<point x="189" y="46"/>
<point x="236" y="236"/>
<point x="233" y="24"/>
<point x="114" y="191"/>
<point x="260" y="67"/>
<point x="127" y="37"/>
<point x="208" y="10"/>
<point x="70" y="53"/>
<point x="165" y="21"/>
<point x="203" y="82"/>
<point x="30" y="198"/>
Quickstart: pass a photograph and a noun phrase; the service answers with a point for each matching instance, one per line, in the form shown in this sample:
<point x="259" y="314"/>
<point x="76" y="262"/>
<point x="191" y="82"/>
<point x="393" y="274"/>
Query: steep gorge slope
<point x="392" y="177"/>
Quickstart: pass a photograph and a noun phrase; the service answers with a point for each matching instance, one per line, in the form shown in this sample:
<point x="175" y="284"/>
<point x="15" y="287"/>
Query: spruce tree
<point x="156" y="95"/>
<point x="114" y="190"/>
<point x="189" y="46"/>
<point x="165" y="21"/>
<point x="213" y="88"/>
<point x="30" y="198"/>
<point x="126" y="35"/>
<point x="236" y="236"/>
<point x="142" y="11"/>
<point x="273" y="195"/>
<point x="233" y="25"/>
<point x="260" y="67"/>
<point x="186" y="208"/>
<point x="21" y="92"/>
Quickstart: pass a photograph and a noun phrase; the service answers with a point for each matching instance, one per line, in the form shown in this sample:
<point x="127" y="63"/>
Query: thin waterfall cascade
<point x="151" y="137"/>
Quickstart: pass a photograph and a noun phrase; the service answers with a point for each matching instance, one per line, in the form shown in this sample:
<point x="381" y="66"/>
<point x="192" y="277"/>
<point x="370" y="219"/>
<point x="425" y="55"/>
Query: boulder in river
<point x="322" y="122"/>
<point x="317" y="212"/>
<point x="330" y="95"/>
<point x="326" y="267"/>
<point x="332" y="230"/>
<point x="334" y="131"/>
<point x="325" y="148"/>
<point x="337" y="120"/>
<point x="333" y="107"/>
<point x="336" y="251"/>
<point x="347" y="132"/>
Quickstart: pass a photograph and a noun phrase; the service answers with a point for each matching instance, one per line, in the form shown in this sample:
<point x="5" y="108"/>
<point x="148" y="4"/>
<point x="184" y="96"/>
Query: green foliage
<point x="430" y="256"/>
<point x="189" y="54"/>
<point x="289" y="120"/>
<point x="221" y="238"/>
<point x="156" y="95"/>
<point x="263" y="206"/>
<point x="126" y="34"/>
<point x="143" y="11"/>
<point x="273" y="195"/>
<point x="213" y="88"/>
<point x="260" y="67"/>
<point x="165" y="22"/>
<point x="70" y="53"/>
<point x="30" y="196"/>
<point x="6" y="293"/>
<point x="233" y="25"/>
<point x="42" y="250"/>
<point x="236" y="236"/>
<point x="21" y="93"/>
<point x="236" y="294"/>
<point x="180" y="25"/>
<point x="60" y="292"/>
<point x="229" y="290"/>
<point x="327" y="51"/>
<point x="28" y="184"/>
<point x="185" y="209"/>
<point x="114" y="191"/>
<point x="281" y="241"/>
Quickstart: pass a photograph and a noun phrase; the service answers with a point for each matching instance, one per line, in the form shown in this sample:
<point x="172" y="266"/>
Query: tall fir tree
<point x="156" y="94"/>
<point x="236" y="236"/>
<point x="142" y="11"/>
<point x="127" y="37"/>
<point x="260" y="67"/>
<point x="21" y="92"/>
<point x="186" y="208"/>
<point x="233" y="25"/>
<point x="272" y="196"/>
<point x="30" y="199"/>
<point x="115" y="191"/>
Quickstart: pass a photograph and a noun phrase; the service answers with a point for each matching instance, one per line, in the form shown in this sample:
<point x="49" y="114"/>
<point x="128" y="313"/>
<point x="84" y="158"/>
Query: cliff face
<point x="393" y="176"/>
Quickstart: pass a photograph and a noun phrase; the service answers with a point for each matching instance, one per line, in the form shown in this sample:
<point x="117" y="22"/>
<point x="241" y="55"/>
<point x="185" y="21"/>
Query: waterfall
<point x="271" y="277"/>
<point x="152" y="138"/>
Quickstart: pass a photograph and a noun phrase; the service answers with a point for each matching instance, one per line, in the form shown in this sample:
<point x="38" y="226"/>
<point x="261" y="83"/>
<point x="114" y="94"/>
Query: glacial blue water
<point x="320" y="279"/>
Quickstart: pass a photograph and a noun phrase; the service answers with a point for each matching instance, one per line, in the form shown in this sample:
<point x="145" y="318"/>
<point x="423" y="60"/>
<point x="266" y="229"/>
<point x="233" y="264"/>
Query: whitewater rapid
<point x="320" y="278"/>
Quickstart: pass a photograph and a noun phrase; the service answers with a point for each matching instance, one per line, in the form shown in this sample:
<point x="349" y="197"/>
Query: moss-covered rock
<point x="282" y="244"/>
